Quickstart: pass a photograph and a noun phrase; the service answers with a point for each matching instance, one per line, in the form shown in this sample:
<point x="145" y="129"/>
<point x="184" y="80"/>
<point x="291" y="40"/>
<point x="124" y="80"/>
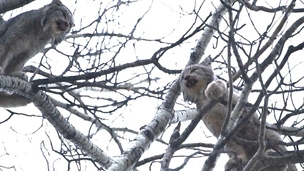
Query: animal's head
<point x="57" y="20"/>
<point x="195" y="79"/>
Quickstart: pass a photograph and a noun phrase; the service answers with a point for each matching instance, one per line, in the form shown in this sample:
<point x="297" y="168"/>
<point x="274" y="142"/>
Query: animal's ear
<point x="45" y="10"/>
<point x="57" y="2"/>
<point x="43" y="14"/>
<point x="207" y="61"/>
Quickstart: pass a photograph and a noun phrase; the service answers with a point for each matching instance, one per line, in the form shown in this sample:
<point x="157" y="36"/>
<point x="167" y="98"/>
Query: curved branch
<point x="12" y="4"/>
<point x="49" y="111"/>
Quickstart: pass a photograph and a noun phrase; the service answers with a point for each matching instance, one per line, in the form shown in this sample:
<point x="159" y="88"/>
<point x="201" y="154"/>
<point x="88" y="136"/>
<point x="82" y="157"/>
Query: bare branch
<point x="7" y="5"/>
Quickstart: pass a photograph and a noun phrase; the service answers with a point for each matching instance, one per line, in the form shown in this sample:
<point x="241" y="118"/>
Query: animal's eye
<point x="64" y="14"/>
<point x="193" y="70"/>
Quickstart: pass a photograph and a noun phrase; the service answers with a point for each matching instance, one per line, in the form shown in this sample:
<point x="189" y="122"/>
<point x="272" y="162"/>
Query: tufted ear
<point x="46" y="8"/>
<point x="43" y="14"/>
<point x="57" y="2"/>
<point x="207" y="61"/>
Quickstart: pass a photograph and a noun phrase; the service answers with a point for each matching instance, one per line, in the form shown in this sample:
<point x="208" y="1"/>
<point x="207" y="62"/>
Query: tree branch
<point x="7" y="5"/>
<point x="49" y="111"/>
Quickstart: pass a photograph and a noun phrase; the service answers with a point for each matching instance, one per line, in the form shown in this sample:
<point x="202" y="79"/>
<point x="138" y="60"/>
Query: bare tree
<point x="111" y="89"/>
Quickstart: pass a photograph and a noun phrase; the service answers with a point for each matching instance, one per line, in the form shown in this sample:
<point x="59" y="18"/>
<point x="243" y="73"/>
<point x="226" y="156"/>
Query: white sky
<point x="22" y="136"/>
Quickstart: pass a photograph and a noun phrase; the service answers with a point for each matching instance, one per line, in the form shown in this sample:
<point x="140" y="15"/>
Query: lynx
<point x="198" y="83"/>
<point x="23" y="36"/>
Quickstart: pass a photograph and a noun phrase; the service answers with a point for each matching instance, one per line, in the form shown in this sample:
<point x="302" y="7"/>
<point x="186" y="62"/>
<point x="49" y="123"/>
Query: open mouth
<point x="190" y="82"/>
<point x="63" y="25"/>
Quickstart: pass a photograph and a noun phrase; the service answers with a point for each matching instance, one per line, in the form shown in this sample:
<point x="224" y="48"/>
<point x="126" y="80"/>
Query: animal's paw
<point x="20" y="74"/>
<point x="234" y="164"/>
<point x="215" y="90"/>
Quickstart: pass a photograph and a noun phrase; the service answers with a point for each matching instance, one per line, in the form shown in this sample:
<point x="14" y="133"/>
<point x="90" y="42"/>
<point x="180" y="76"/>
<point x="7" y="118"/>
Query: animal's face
<point x="57" y="21"/>
<point x="61" y="20"/>
<point x="194" y="81"/>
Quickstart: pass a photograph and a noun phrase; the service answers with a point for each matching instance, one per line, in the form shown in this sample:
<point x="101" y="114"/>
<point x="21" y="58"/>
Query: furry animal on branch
<point x="199" y="83"/>
<point x="25" y="35"/>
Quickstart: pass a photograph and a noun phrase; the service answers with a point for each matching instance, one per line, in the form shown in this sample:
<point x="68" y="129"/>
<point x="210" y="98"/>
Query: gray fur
<point x="25" y="35"/>
<point x="198" y="83"/>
